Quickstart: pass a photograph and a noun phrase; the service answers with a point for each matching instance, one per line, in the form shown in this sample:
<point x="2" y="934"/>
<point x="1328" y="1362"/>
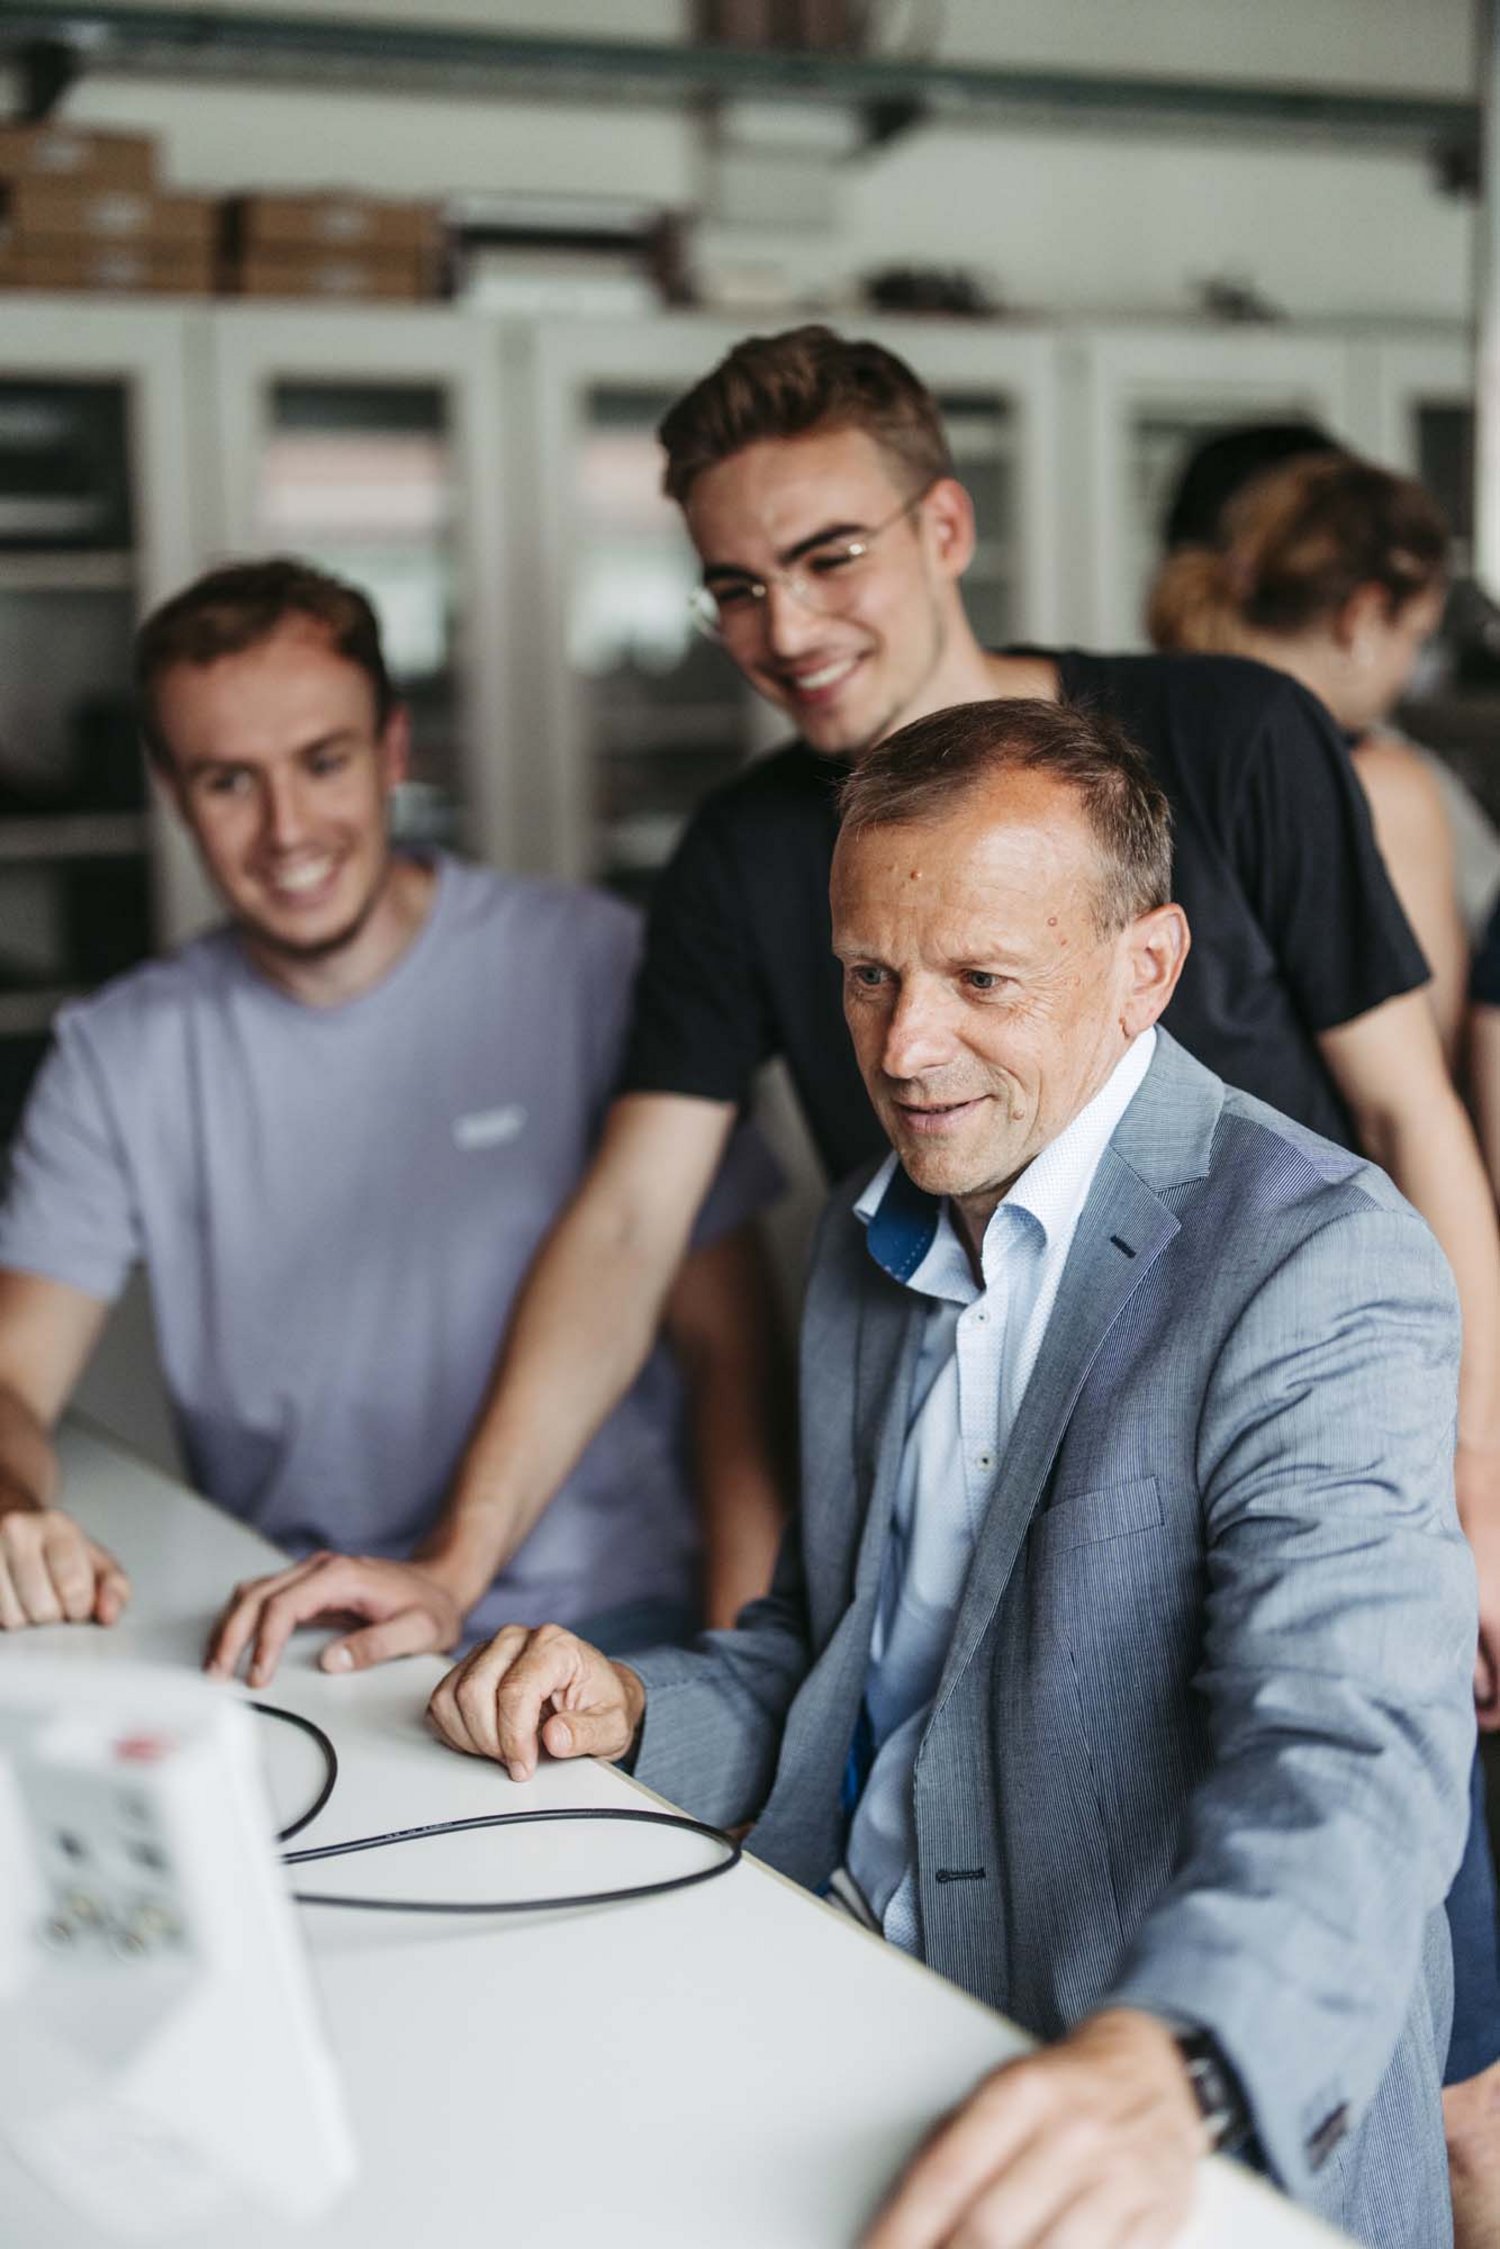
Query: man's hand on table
<point x="51" y="1572"/>
<point x="529" y="1690"/>
<point x="1091" y="2143"/>
<point x="406" y="1609"/>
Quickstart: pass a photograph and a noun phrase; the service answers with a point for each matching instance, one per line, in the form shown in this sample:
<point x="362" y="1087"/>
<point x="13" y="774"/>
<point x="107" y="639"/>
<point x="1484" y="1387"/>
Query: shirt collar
<point x="902" y="1221"/>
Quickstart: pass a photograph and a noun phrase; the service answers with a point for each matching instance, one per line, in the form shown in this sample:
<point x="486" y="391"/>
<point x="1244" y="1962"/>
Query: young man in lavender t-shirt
<point x="334" y="1131"/>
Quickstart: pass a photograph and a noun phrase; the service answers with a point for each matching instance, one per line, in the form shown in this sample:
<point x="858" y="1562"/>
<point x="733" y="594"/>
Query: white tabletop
<point x="735" y="2064"/>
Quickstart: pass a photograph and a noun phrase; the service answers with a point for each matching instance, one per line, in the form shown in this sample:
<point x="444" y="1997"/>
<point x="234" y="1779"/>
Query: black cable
<point x="328" y="1753"/>
<point x="729" y="1844"/>
<point x="731" y="1848"/>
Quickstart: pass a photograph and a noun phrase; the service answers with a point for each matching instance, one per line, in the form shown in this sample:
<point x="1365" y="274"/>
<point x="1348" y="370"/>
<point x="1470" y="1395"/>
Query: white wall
<point x="1406" y="46"/>
<point x="1058" y="218"/>
<point x="1074" y="222"/>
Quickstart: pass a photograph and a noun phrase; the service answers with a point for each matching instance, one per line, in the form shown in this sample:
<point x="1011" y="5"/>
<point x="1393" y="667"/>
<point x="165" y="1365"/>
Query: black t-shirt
<point x="1295" y="926"/>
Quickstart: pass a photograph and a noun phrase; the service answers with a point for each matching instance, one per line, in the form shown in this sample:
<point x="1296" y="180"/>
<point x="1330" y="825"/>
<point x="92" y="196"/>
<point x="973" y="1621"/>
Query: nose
<point x="791" y="625"/>
<point x="917" y="1036"/>
<point x="285" y="823"/>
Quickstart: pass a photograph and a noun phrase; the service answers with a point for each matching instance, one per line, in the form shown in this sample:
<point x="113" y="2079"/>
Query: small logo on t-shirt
<point x="489" y="1128"/>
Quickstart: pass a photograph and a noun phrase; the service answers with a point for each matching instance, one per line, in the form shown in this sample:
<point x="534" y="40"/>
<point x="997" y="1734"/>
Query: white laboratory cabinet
<point x="1414" y="410"/>
<point x="1142" y="398"/>
<point x="96" y="523"/>
<point x="370" y="441"/>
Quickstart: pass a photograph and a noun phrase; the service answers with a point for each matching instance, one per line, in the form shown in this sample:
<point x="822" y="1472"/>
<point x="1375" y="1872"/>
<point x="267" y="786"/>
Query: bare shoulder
<point x="1400" y="778"/>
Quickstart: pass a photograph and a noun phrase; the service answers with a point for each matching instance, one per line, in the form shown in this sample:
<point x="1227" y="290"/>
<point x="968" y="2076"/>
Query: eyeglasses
<point x="826" y="579"/>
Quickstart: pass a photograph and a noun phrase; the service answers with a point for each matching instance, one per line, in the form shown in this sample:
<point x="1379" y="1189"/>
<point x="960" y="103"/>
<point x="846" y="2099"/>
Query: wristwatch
<point x="1221" y="2104"/>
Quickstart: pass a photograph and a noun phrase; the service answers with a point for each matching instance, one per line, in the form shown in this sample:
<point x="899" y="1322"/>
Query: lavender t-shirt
<point x="336" y="1207"/>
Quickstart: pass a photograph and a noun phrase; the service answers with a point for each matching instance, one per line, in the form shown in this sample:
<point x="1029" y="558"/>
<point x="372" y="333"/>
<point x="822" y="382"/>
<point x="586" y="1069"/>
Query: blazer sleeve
<point x="715" y="1711"/>
<point x="1337" y="1671"/>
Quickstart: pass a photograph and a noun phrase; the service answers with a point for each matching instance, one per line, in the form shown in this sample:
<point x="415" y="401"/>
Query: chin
<point x="934" y="1170"/>
<point x="338" y="927"/>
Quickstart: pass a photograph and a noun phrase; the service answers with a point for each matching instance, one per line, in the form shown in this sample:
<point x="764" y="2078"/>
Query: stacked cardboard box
<point x="84" y="211"/>
<point x="818" y="25"/>
<point x="347" y="246"/>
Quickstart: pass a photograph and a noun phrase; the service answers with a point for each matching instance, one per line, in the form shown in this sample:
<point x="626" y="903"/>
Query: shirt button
<point x="980" y="1317"/>
<point x="984" y="1460"/>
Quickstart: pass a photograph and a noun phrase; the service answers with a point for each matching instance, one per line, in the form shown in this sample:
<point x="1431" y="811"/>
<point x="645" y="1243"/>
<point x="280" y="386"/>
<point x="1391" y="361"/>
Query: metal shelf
<point x="25" y="1014"/>
<point x="66" y="571"/>
<point x="73" y="835"/>
<point x="893" y="90"/>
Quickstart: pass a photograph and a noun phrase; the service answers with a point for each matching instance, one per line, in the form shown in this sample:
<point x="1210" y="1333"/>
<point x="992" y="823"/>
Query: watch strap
<point x="1221" y="2104"/>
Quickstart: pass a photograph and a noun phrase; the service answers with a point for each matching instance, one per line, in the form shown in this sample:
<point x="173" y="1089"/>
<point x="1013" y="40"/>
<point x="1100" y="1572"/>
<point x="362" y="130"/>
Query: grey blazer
<point x="1202" y="1740"/>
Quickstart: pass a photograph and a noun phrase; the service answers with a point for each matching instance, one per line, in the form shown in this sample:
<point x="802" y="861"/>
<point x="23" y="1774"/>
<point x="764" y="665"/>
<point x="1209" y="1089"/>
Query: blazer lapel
<point x="800" y="1829"/>
<point x="890" y="1335"/>
<point x="1123" y="1229"/>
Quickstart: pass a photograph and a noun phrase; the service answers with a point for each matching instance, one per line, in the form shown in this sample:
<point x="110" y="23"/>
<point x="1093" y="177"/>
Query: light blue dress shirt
<point x="976" y="1358"/>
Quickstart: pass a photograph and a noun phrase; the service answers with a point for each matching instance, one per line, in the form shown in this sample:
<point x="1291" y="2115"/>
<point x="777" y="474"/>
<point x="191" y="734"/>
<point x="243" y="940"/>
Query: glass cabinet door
<point x="1152" y="396"/>
<point x="1419" y="418"/>
<point x="362" y="481"/>
<point x="641" y="715"/>
<point x="665" y="716"/>
<point x="84" y="548"/>
<point x="365" y="443"/>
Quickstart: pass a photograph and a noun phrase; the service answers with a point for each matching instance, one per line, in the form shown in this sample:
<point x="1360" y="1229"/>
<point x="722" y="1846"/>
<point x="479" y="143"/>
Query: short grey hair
<point x="924" y="770"/>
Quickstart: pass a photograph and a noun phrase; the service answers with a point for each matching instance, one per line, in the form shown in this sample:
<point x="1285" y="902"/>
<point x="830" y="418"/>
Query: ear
<point x="1367" y="611"/>
<point x="947" y="518"/>
<point x="1156" y="946"/>
<point x="395" y="746"/>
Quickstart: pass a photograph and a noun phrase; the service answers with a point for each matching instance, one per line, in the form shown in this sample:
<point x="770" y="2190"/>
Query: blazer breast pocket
<point x="1111" y="1511"/>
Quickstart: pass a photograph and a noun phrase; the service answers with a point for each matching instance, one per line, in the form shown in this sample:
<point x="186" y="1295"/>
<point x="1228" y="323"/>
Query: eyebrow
<point x="788" y="555"/>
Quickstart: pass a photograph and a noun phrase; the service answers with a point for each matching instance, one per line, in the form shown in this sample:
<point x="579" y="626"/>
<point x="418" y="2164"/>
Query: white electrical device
<point x="162" y="2066"/>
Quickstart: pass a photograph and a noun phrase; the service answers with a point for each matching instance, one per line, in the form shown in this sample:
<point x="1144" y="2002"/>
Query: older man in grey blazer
<point x="1119" y="1663"/>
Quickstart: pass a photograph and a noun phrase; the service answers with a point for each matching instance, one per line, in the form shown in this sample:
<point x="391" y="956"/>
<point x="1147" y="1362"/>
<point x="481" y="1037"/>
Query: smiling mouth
<point x="815" y="686"/>
<point x="935" y="1116"/>
<point x="296" y="884"/>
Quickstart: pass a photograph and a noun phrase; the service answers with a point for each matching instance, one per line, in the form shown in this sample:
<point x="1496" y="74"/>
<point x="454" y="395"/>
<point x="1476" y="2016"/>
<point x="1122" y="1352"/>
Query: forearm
<point x="1484" y="1081"/>
<point x="582" y="1330"/>
<point x="29" y="1474"/>
<point x="725" y="1328"/>
<point x="744" y="1515"/>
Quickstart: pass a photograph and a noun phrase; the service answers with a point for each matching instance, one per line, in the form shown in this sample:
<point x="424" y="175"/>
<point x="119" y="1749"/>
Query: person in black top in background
<point x="818" y="488"/>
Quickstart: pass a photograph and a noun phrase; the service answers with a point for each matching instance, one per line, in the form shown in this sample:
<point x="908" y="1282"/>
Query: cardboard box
<point x="397" y="276"/>
<point x="795" y="25"/>
<point x="62" y="152"/>
<point x="274" y="225"/>
<point x="737" y="23"/>
<point x="85" y="263"/>
<point x="44" y="209"/>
